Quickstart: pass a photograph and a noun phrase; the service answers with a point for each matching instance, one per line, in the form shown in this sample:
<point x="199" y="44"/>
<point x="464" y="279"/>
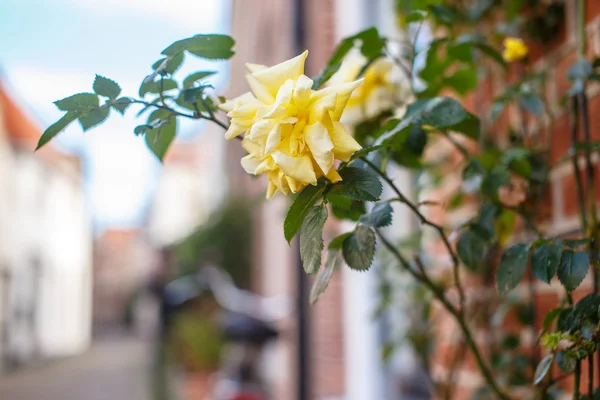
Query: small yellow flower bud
<point x="514" y="49"/>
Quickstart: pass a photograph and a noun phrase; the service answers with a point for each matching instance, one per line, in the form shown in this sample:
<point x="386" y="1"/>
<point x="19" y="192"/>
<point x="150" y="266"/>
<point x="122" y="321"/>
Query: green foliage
<point x="357" y="184"/>
<point x="324" y="277"/>
<point x="212" y="241"/>
<point x="545" y="260"/>
<point x="379" y="216"/>
<point x="542" y="369"/>
<point x="471" y="249"/>
<point x="512" y="267"/>
<point x="359" y="248"/>
<point x="311" y="238"/>
<point x="212" y="47"/>
<point x="573" y="268"/>
<point x="197" y="341"/>
<point x="300" y="208"/>
<point x="372" y="46"/>
<point x="106" y="87"/>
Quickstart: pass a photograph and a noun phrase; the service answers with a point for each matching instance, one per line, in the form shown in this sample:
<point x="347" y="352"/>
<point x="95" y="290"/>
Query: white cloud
<point x="190" y="14"/>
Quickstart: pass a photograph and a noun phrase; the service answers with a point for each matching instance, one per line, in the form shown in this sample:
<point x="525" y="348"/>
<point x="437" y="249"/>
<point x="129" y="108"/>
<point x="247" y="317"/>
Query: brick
<point x="592" y="9"/>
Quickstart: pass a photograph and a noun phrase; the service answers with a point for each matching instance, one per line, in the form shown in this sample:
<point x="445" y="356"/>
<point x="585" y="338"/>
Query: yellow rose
<point x="292" y="133"/>
<point x="514" y="49"/>
<point x="379" y="91"/>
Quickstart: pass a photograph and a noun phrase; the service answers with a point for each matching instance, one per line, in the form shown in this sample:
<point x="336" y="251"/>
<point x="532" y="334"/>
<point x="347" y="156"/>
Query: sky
<point x="51" y="49"/>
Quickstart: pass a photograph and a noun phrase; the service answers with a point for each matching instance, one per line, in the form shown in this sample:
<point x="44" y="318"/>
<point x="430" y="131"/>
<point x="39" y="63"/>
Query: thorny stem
<point x="414" y="208"/>
<point x="438" y="293"/>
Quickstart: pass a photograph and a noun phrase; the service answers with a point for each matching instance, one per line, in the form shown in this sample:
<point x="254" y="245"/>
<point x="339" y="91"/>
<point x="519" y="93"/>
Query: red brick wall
<point x="556" y="58"/>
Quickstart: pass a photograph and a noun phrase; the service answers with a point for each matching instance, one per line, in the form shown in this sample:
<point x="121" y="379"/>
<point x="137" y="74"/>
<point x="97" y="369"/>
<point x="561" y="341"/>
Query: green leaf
<point x="439" y="112"/>
<point x="357" y="184"/>
<point x="532" y="103"/>
<point x="580" y="70"/>
<point x="311" y="238"/>
<point x="380" y="215"/>
<point x="168" y="65"/>
<point x="78" y="102"/>
<point x="56" y="128"/>
<point x="542" y="369"/>
<point x="324" y="277"/>
<point x="338" y="241"/>
<point x="359" y="248"/>
<point x="566" y="361"/>
<point x="576" y="243"/>
<point x="122" y="104"/>
<point x="159" y="139"/>
<point x="299" y="208"/>
<point x="471" y="249"/>
<point x="191" y="79"/>
<point x="463" y="80"/>
<point x="155" y="87"/>
<point x="512" y="267"/>
<point x="549" y="318"/>
<point x="323" y="77"/>
<point x="492" y="53"/>
<point x="545" y="260"/>
<point x="573" y="268"/>
<point x="193" y="94"/>
<point x="142" y="129"/>
<point x="442" y="14"/>
<point x="588" y="328"/>
<point x="415" y="16"/>
<point x="213" y="47"/>
<point x="344" y="208"/>
<point x="93" y="117"/>
<point x="106" y="87"/>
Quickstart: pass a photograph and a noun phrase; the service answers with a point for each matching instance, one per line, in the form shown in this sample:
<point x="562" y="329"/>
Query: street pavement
<point x="115" y="368"/>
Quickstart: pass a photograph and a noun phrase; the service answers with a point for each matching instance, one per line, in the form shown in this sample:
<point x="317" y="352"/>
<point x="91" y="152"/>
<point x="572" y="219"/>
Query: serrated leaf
<point x="545" y="260"/>
<point x="566" y="361"/>
<point x="338" y="241"/>
<point x="359" y="248"/>
<point x="213" y="47"/>
<point x="106" y="87"/>
<point x="159" y="139"/>
<point x="191" y="79"/>
<point x="311" y="238"/>
<point x="193" y="94"/>
<point x="379" y="216"/>
<point x="542" y="369"/>
<point x="78" y="102"/>
<point x="512" y="267"/>
<point x="155" y="86"/>
<point x="299" y="208"/>
<point x="549" y="318"/>
<point x="471" y="249"/>
<point x="56" y="128"/>
<point x="93" y="117"/>
<point x="357" y="184"/>
<point x="573" y="269"/>
<point x="324" y="277"/>
<point x="122" y="104"/>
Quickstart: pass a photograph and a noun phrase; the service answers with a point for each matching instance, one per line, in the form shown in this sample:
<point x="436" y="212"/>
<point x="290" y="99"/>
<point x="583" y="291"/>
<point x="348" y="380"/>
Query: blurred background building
<point x="46" y="246"/>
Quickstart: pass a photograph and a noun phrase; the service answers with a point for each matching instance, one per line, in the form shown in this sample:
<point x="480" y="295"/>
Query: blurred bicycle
<point x="248" y="324"/>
